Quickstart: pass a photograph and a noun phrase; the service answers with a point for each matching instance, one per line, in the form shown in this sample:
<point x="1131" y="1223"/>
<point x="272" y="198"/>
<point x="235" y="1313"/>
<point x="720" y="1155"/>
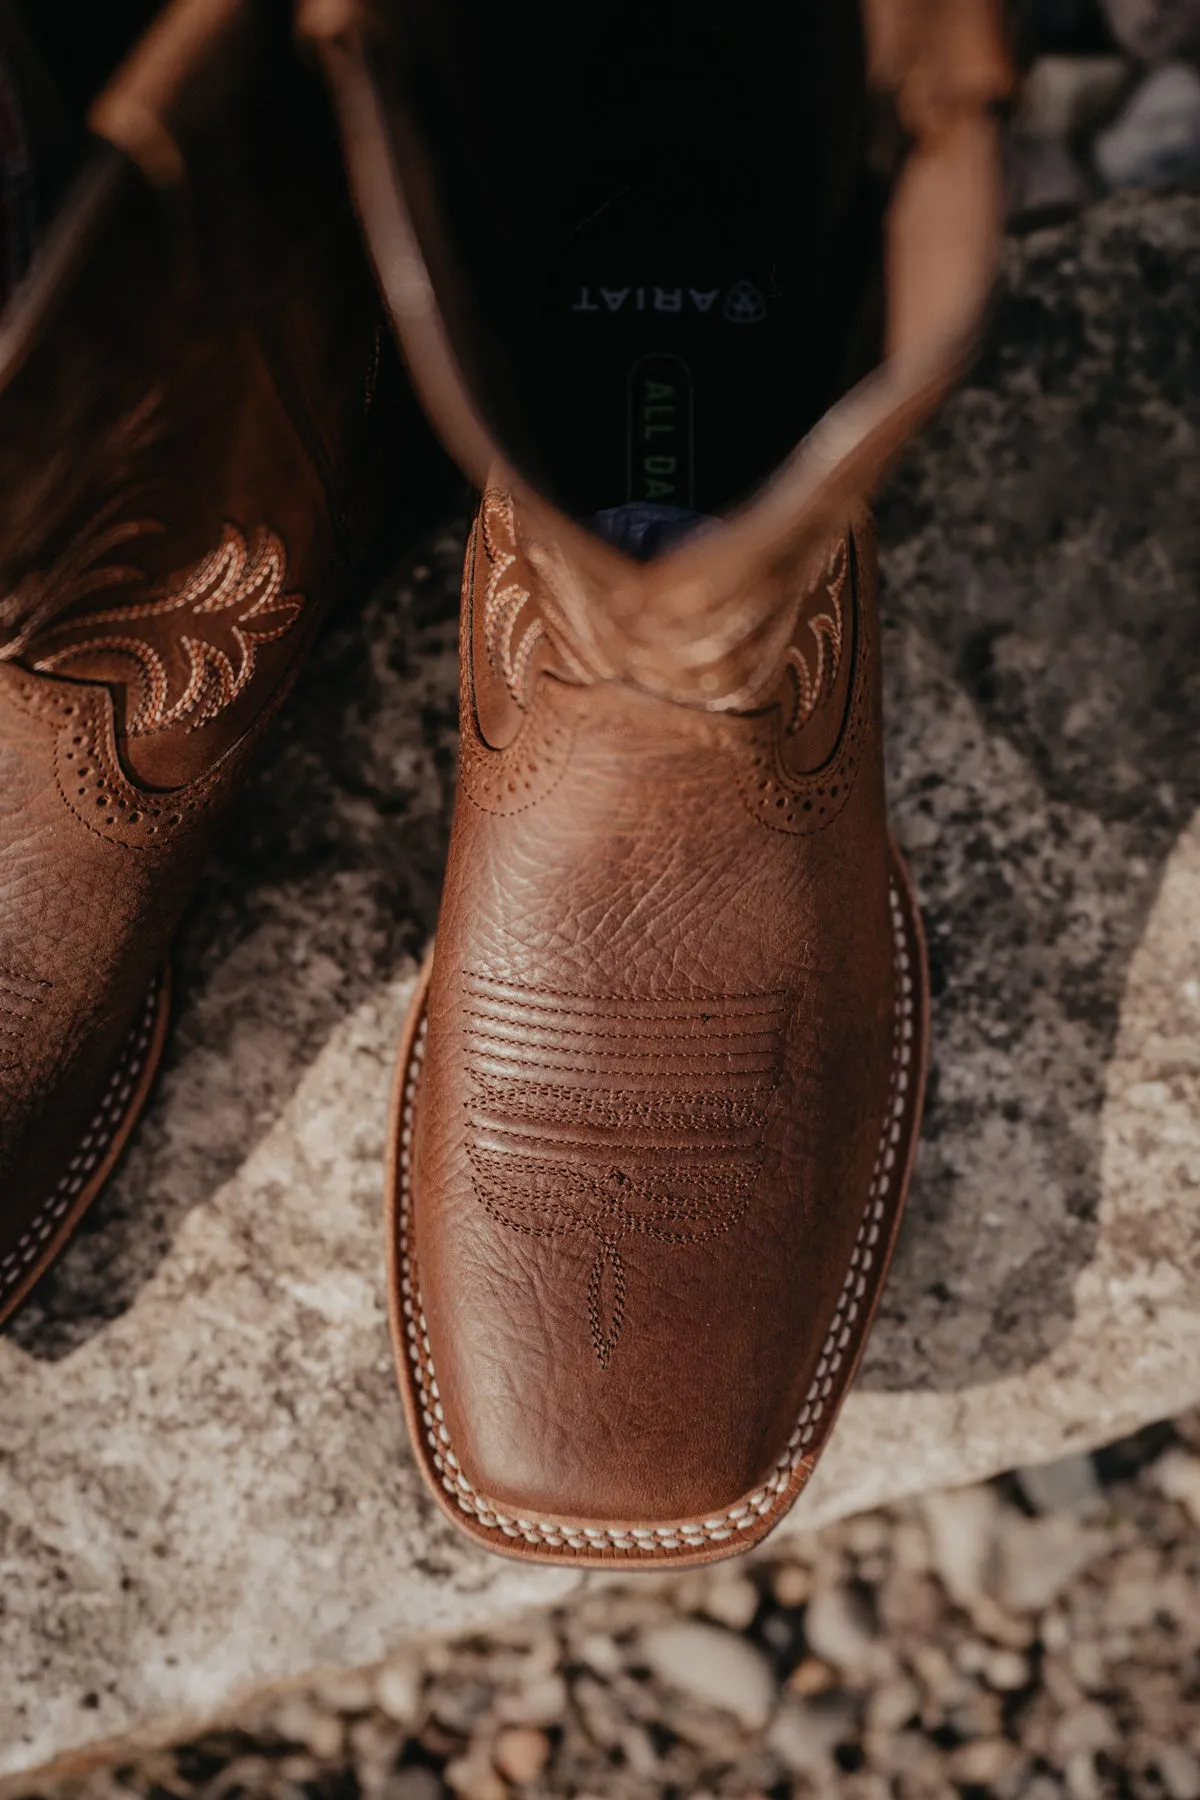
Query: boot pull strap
<point x="167" y="84"/>
<point x="76" y="224"/>
<point x="343" y="45"/>
<point x="141" y="119"/>
<point x="719" y="605"/>
<point x="937" y="57"/>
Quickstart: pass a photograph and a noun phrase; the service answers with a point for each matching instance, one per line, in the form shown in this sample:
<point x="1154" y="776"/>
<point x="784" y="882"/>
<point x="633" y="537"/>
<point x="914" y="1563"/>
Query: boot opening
<point x="82" y="45"/>
<point x="667" y="233"/>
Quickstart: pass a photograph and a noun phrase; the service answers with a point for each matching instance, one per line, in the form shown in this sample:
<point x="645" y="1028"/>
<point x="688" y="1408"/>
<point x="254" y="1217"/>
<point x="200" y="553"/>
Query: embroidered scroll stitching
<point x="234" y="602"/>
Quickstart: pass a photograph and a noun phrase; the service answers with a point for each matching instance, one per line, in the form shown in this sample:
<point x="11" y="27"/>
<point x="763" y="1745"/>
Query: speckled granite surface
<point x="204" y="1488"/>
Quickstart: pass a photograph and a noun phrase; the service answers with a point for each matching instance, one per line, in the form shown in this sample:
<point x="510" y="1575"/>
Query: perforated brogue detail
<point x="101" y="796"/>
<point x="527" y="771"/>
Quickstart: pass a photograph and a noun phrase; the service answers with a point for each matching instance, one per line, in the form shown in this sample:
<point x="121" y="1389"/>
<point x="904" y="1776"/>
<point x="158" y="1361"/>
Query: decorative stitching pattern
<point x="812" y="685"/>
<point x="801" y="804"/>
<point x="513" y="780"/>
<point x="238" y="588"/>
<point x="570" y="1163"/>
<point x="504" y="605"/>
<point x="553" y="1103"/>
<point x="93" y="1147"/>
<point x="82" y="569"/>
<point x="687" y="1536"/>
<point x="93" y="786"/>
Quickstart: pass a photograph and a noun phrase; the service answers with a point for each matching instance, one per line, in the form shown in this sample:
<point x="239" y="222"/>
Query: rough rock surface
<point x="204" y="1488"/>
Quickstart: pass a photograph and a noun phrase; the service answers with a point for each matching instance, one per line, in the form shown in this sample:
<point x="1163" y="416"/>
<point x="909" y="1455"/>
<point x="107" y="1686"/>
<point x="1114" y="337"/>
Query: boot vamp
<point x="660" y="1041"/>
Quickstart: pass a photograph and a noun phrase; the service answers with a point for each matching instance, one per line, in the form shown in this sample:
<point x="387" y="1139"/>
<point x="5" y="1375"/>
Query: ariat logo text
<point x="741" y="304"/>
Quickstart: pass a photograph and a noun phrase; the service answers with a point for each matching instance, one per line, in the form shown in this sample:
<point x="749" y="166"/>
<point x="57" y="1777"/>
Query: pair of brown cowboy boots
<point x="674" y="285"/>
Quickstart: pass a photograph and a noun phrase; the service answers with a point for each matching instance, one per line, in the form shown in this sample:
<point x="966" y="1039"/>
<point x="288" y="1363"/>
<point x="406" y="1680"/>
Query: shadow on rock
<point x="1042" y="562"/>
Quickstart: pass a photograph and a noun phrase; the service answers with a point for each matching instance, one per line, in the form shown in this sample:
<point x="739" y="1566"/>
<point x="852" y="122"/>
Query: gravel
<point x="1037" y="1638"/>
<point x="1109" y="97"/>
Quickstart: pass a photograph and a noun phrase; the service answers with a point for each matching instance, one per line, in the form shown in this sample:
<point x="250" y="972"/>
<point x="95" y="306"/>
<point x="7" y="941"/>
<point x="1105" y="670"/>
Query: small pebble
<point x="982" y="1762"/>
<point x="326" y="1735"/>
<point x="521" y="1753"/>
<point x="892" y="1704"/>
<point x="839" y="1628"/>
<point x="600" y="1654"/>
<point x="961" y="1525"/>
<point x="542" y="1702"/>
<point x="811" y="1676"/>
<point x="1152" y="29"/>
<point x="300" y="1718"/>
<point x="398" y="1691"/>
<point x="472" y="1779"/>
<point x="414" y="1783"/>
<point x="299" y="1769"/>
<point x="1006" y="1670"/>
<point x="867" y="1535"/>
<point x="1177" y="1477"/>
<point x="1155" y="141"/>
<point x="791" y="1584"/>
<point x="1038" y="1557"/>
<point x="1180" y="1772"/>
<point x="714" y="1667"/>
<point x="1062" y="96"/>
<point x="732" y="1602"/>
<point x="805" y="1733"/>
<point x="1069" y="1485"/>
<point x="1084" y="1731"/>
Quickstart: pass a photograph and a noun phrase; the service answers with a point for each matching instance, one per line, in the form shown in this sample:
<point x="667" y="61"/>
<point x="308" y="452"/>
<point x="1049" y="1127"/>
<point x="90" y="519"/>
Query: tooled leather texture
<point x="183" y="458"/>
<point x="659" y="1057"/>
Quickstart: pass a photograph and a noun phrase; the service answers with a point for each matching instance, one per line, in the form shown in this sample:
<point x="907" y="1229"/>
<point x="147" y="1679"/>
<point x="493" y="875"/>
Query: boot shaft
<point x="722" y="267"/>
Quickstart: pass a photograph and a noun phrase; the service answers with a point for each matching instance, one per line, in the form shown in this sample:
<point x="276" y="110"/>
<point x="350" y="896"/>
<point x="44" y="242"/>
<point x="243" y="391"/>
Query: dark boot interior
<point x="82" y="41"/>
<point x="664" y="231"/>
<point x="55" y="56"/>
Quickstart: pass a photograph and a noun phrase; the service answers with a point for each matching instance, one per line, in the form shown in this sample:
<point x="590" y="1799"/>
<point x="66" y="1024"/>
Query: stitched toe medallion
<point x="608" y="1120"/>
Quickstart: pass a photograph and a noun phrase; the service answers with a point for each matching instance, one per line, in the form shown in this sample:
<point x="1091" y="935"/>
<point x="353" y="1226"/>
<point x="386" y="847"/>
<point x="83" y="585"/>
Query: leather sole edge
<point x="120" y="1107"/>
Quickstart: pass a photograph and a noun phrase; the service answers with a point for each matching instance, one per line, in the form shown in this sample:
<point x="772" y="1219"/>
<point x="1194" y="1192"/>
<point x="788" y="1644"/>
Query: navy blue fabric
<point x="644" y="530"/>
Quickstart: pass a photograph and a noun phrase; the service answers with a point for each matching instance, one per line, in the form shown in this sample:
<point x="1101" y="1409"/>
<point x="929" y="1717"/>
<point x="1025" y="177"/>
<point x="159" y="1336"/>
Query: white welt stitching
<point x="91" y="1151"/>
<point x="693" y="1534"/>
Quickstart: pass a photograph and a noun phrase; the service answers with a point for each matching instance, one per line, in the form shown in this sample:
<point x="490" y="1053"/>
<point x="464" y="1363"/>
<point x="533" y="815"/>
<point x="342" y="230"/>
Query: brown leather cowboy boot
<point x="194" y="428"/>
<point x="660" y="1091"/>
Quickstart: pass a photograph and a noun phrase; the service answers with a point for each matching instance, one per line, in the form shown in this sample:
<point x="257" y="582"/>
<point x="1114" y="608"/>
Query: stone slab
<point x="204" y="1486"/>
